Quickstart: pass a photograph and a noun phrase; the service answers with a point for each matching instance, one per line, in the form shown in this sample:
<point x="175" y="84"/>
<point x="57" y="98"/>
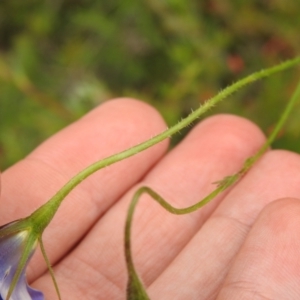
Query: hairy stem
<point x="134" y="283"/>
<point x="53" y="204"/>
<point x="49" y="267"/>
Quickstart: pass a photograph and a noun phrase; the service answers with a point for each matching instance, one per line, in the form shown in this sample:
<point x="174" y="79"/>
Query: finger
<point x="268" y="265"/>
<point x="209" y="255"/>
<point x="216" y="148"/>
<point x="108" y="129"/>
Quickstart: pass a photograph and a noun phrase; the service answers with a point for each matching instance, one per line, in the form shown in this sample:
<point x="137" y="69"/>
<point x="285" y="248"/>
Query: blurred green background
<point x="59" y="59"/>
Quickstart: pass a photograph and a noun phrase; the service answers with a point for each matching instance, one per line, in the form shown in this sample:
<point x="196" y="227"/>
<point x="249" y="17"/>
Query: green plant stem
<point x="278" y="127"/>
<point x="134" y="283"/>
<point x="47" y="260"/>
<point x="53" y="204"/>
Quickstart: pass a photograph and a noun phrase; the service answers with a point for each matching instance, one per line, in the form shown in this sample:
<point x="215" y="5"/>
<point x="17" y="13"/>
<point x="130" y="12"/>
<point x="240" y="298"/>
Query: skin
<point x="243" y="245"/>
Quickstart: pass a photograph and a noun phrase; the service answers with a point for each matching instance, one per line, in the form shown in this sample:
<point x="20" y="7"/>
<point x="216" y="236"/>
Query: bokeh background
<point x="59" y="59"/>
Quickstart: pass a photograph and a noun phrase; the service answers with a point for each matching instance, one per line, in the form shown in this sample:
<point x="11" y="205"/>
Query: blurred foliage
<point x="59" y="59"/>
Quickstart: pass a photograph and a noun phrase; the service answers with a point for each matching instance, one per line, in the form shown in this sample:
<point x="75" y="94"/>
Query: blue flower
<point x="17" y="245"/>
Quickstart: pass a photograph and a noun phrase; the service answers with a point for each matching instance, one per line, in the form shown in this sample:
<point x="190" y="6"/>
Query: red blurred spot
<point x="276" y="45"/>
<point x="235" y="63"/>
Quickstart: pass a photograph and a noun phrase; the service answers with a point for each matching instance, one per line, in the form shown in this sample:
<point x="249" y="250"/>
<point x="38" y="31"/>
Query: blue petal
<point x="35" y="294"/>
<point x="23" y="292"/>
<point x="11" y="249"/>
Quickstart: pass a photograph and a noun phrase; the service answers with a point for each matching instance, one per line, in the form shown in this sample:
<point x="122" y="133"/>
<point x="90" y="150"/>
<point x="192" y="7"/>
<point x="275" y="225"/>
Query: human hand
<point x="243" y="245"/>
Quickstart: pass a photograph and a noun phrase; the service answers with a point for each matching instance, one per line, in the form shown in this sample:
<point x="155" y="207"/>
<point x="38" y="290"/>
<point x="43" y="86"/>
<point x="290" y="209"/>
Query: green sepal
<point x="135" y="288"/>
